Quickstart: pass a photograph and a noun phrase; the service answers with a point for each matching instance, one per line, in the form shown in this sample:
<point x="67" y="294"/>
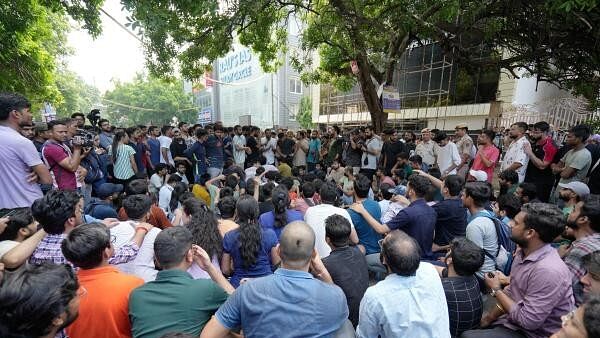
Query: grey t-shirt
<point x="482" y="231"/>
<point x="581" y="160"/>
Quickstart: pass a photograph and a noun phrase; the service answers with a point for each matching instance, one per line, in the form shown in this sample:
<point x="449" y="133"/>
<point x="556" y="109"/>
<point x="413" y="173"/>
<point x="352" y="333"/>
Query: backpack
<point x="505" y="244"/>
<point x="92" y="165"/>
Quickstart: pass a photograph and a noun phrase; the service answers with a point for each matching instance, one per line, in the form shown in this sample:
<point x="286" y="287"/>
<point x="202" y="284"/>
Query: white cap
<point x="479" y="175"/>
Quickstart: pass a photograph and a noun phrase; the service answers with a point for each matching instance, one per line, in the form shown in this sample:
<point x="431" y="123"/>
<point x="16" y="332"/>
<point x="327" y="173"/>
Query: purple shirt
<point x="48" y="250"/>
<point x="17" y="156"/>
<point x="540" y="286"/>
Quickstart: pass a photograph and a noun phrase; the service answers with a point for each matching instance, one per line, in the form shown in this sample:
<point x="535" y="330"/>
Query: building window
<point x="293" y="112"/>
<point x="295" y="86"/>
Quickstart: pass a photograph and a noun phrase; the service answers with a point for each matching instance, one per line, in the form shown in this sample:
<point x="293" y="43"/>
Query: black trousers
<point x="494" y="332"/>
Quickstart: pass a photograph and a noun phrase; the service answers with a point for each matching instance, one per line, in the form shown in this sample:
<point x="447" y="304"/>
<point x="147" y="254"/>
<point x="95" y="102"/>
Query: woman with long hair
<point x="179" y="216"/>
<point x="249" y="251"/>
<point x="281" y="214"/>
<point x="178" y="190"/>
<point x="123" y="159"/>
<point x="202" y="223"/>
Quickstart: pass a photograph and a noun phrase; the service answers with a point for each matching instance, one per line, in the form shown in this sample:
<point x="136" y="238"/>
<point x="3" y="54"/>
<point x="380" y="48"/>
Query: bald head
<point x="296" y="244"/>
<point x="402" y="253"/>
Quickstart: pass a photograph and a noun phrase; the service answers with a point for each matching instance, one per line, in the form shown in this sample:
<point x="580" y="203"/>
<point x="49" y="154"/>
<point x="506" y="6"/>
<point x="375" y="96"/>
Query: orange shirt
<point x="104" y="309"/>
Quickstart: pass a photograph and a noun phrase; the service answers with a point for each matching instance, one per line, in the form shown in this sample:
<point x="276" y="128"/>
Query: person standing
<point x="371" y="151"/>
<point x="123" y="159"/>
<point x="515" y="158"/>
<point x="447" y="155"/>
<point x="252" y="144"/>
<point x="57" y="155"/>
<point x="464" y="142"/>
<point x="314" y="152"/>
<point x="426" y="148"/>
<point x="19" y="159"/>
<point x="154" y="145"/>
<point x="239" y="147"/>
<point x="576" y="163"/>
<point x="165" y="141"/>
<point x="106" y="136"/>
<point x="215" y="153"/>
<point x="541" y="156"/>
<point x="268" y="146"/>
<point x="197" y="154"/>
<point x="487" y="155"/>
<point x="300" y="149"/>
<point x="391" y="148"/>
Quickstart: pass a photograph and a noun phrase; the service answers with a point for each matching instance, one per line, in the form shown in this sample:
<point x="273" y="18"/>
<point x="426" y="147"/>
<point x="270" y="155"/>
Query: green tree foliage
<point x="554" y="40"/>
<point x="149" y="100"/>
<point x="33" y="40"/>
<point x="77" y="95"/>
<point x="304" y="117"/>
<point x="594" y="124"/>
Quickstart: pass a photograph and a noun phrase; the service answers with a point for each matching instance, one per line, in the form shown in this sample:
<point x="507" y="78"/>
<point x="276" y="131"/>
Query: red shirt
<point x="491" y="153"/>
<point x="53" y="154"/>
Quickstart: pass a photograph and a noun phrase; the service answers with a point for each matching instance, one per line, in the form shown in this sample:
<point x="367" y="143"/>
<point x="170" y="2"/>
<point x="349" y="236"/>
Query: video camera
<point x="94" y="117"/>
<point x="84" y="138"/>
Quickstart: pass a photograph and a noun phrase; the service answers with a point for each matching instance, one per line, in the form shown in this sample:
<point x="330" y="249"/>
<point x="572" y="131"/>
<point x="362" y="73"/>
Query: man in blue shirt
<point x="291" y="302"/>
<point x="417" y="219"/>
<point x="314" y="152"/>
<point x="410" y="302"/>
<point x="102" y="207"/>
<point x="154" y="145"/>
<point x="214" y="152"/>
<point x="367" y="236"/>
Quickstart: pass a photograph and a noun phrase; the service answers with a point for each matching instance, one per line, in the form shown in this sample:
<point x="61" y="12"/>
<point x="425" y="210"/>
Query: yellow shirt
<point x="285" y="170"/>
<point x="201" y="193"/>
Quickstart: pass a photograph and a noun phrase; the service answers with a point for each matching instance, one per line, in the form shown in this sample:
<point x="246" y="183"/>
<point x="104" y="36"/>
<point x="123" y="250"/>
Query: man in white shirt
<point x="268" y="146"/>
<point x="516" y="158"/>
<point x="137" y="208"/>
<point x="448" y="158"/>
<point x="158" y="179"/>
<point x="239" y="147"/>
<point x="410" y="301"/>
<point x="165" y="141"/>
<point x="371" y="150"/>
<point x="164" y="195"/>
<point x="315" y="217"/>
<point x="425" y="148"/>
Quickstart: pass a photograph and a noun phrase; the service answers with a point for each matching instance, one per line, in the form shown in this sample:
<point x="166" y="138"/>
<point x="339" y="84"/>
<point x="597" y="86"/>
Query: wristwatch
<point x="494" y="291"/>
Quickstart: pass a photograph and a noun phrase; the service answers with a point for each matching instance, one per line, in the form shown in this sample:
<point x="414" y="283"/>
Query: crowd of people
<point x="213" y="231"/>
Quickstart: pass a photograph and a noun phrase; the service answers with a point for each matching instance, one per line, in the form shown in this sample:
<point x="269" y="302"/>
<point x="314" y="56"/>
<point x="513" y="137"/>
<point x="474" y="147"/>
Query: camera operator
<point x="353" y="153"/>
<point x="61" y="161"/>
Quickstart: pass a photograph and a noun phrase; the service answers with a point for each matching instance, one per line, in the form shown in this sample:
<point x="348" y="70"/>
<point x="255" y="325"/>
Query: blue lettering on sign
<point x="234" y="66"/>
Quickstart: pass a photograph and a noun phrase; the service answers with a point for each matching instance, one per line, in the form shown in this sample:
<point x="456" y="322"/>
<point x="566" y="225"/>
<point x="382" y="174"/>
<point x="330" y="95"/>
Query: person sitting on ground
<point x="103" y="206"/>
<point x="417" y="218"/>
<point x="509" y="182"/>
<point x="103" y="310"/>
<point x="410" y="302"/>
<point x="315" y="217"/>
<point x="202" y="224"/>
<point x="335" y="173"/>
<point x="451" y="221"/>
<point x="416" y="163"/>
<point x="164" y="195"/>
<point x="175" y="302"/>
<point x="227" y="222"/>
<point x="157" y="216"/>
<point x="539" y="290"/>
<point x="346" y="264"/>
<point x="368" y="238"/>
<point x="583" y="223"/>
<point x="463" y="297"/>
<point x="25" y="311"/>
<point x="386" y="192"/>
<point x="275" y="305"/>
<point x="137" y="208"/>
<point x="249" y="251"/>
<point x="584" y="322"/>
<point x="281" y="215"/>
<point x="506" y="208"/>
<point x="19" y="226"/>
<point x="306" y="199"/>
<point x="591" y="280"/>
<point x="59" y="212"/>
<point x="159" y="178"/>
<point x="527" y="193"/>
<point x="572" y="193"/>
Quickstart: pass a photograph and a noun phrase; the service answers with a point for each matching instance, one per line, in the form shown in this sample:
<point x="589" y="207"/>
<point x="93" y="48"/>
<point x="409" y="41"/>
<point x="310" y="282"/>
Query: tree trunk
<point x="369" y="91"/>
